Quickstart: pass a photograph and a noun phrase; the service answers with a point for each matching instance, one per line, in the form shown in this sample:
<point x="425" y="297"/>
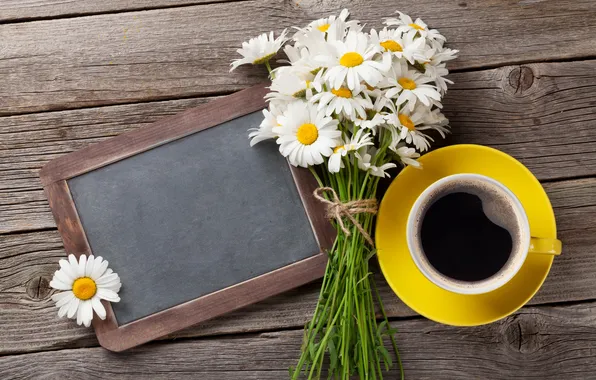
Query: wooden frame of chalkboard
<point x="116" y="337"/>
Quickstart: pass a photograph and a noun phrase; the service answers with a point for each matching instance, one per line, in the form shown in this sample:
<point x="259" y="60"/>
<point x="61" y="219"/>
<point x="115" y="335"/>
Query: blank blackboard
<point x="195" y="221"/>
<point x="193" y="216"/>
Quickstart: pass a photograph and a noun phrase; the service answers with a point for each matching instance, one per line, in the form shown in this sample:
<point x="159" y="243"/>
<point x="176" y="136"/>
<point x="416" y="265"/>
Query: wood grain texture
<point x="184" y="52"/>
<point x="540" y="113"/>
<point x="20" y="10"/>
<point x="27" y="262"/>
<point x="159" y="133"/>
<point x="532" y="122"/>
<point x="536" y="343"/>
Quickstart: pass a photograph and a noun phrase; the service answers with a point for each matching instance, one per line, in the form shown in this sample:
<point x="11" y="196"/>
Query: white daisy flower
<point x="410" y="86"/>
<point x="265" y="129"/>
<point x="288" y="84"/>
<point x="366" y="157"/>
<point x="305" y="134"/>
<point x="342" y="101"/>
<point x="374" y="116"/>
<point x="333" y="27"/>
<point x="437" y="74"/>
<point x="259" y="50"/>
<point x="84" y="284"/>
<point x="352" y="61"/>
<point x="407" y="155"/>
<point x="353" y="144"/>
<point x="406" y="25"/>
<point x="392" y="43"/>
<point x="411" y="124"/>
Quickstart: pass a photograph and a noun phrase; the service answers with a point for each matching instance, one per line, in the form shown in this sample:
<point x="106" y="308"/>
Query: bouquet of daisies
<point x="349" y="105"/>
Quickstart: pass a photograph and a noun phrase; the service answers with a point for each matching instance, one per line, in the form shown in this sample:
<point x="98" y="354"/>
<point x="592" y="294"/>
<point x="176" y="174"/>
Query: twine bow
<point x="336" y="209"/>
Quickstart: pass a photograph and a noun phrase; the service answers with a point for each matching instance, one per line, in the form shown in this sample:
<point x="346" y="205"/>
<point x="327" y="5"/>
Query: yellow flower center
<point x="406" y="121"/>
<point x="351" y="59"/>
<point x="407" y="83"/>
<point x="391" y="45"/>
<point x="84" y="288"/>
<point x="338" y="148"/>
<point x="416" y="26"/>
<point x="307" y="133"/>
<point x="323" y="28"/>
<point x="342" y="92"/>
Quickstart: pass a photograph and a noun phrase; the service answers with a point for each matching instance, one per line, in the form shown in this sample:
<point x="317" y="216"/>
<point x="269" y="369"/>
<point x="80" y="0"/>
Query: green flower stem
<point x="268" y="66"/>
<point x="343" y="334"/>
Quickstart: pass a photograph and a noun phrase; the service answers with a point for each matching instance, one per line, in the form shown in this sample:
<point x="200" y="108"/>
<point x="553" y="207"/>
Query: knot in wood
<point x="38" y="287"/>
<point x="521" y="79"/>
<point x="522" y="333"/>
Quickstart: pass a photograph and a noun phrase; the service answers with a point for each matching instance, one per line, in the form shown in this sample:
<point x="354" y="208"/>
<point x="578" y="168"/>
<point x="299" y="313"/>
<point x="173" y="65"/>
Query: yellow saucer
<point x="412" y="286"/>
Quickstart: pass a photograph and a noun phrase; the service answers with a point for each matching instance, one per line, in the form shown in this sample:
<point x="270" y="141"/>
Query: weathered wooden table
<point x="73" y="73"/>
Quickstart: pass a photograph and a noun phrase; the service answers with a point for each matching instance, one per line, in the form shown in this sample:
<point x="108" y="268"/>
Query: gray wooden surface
<point x="77" y="72"/>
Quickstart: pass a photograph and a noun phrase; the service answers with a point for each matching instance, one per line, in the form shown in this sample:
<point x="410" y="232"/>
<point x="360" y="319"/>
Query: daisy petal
<point x="72" y="309"/>
<point x="108" y="295"/>
<point x="82" y="265"/>
<point x="104" y="280"/>
<point x="67" y="269"/>
<point x="99" y="268"/>
<point x="62" y="298"/>
<point x="89" y="266"/>
<point x="59" y="285"/>
<point x="98" y="307"/>
<point x="87" y="313"/>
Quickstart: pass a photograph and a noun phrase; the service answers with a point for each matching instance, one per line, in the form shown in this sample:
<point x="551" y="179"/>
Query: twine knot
<point x="336" y="209"/>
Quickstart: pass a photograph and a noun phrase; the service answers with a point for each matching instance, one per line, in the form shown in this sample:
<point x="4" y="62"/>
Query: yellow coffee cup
<point x="464" y="272"/>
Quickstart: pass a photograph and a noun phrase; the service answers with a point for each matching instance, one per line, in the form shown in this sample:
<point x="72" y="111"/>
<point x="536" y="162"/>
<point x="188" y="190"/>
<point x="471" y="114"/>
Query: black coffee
<point x="460" y="242"/>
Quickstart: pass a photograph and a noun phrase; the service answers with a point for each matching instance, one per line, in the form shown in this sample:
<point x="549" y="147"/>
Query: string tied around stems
<point x="336" y="209"/>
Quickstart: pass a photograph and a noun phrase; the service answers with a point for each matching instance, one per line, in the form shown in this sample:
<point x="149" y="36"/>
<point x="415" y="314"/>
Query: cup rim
<point x="489" y="286"/>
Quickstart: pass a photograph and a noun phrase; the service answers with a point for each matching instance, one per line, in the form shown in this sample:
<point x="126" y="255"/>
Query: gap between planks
<point x="102" y="8"/>
<point x="177" y="52"/>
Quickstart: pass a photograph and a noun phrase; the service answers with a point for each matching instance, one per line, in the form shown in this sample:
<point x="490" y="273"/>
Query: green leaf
<point x="386" y="357"/>
<point x="311" y="350"/>
<point x="332" y="355"/>
<point x="371" y="254"/>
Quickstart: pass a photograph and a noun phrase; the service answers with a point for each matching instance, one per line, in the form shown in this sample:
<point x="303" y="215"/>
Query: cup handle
<point x="545" y="246"/>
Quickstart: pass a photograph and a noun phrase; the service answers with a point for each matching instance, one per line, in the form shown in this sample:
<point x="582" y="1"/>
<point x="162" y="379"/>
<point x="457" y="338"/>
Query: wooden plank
<point x="538" y="342"/>
<point x="27" y="263"/>
<point x="488" y="107"/>
<point x="140" y="56"/>
<point x="19" y="10"/>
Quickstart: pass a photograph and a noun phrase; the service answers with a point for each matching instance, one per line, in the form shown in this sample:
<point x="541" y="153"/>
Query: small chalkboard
<point x="195" y="221"/>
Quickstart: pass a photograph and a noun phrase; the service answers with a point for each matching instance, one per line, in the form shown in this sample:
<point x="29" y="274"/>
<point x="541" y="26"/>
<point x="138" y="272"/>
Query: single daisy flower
<point x="437" y="74"/>
<point x="259" y="50"/>
<point x="305" y="134"/>
<point x="333" y="26"/>
<point x="392" y="43"/>
<point x="356" y="142"/>
<point x="410" y="86"/>
<point x="288" y="84"/>
<point x="410" y="125"/>
<point x="342" y="101"/>
<point x="406" y="25"/>
<point x="366" y="157"/>
<point x="84" y="283"/>
<point x="352" y="62"/>
<point x="265" y="129"/>
<point x="407" y="155"/>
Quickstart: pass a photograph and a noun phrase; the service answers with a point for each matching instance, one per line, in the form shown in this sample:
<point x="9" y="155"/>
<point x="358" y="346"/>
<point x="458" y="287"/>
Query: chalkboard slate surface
<point x="193" y="216"/>
<point x="195" y="221"/>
